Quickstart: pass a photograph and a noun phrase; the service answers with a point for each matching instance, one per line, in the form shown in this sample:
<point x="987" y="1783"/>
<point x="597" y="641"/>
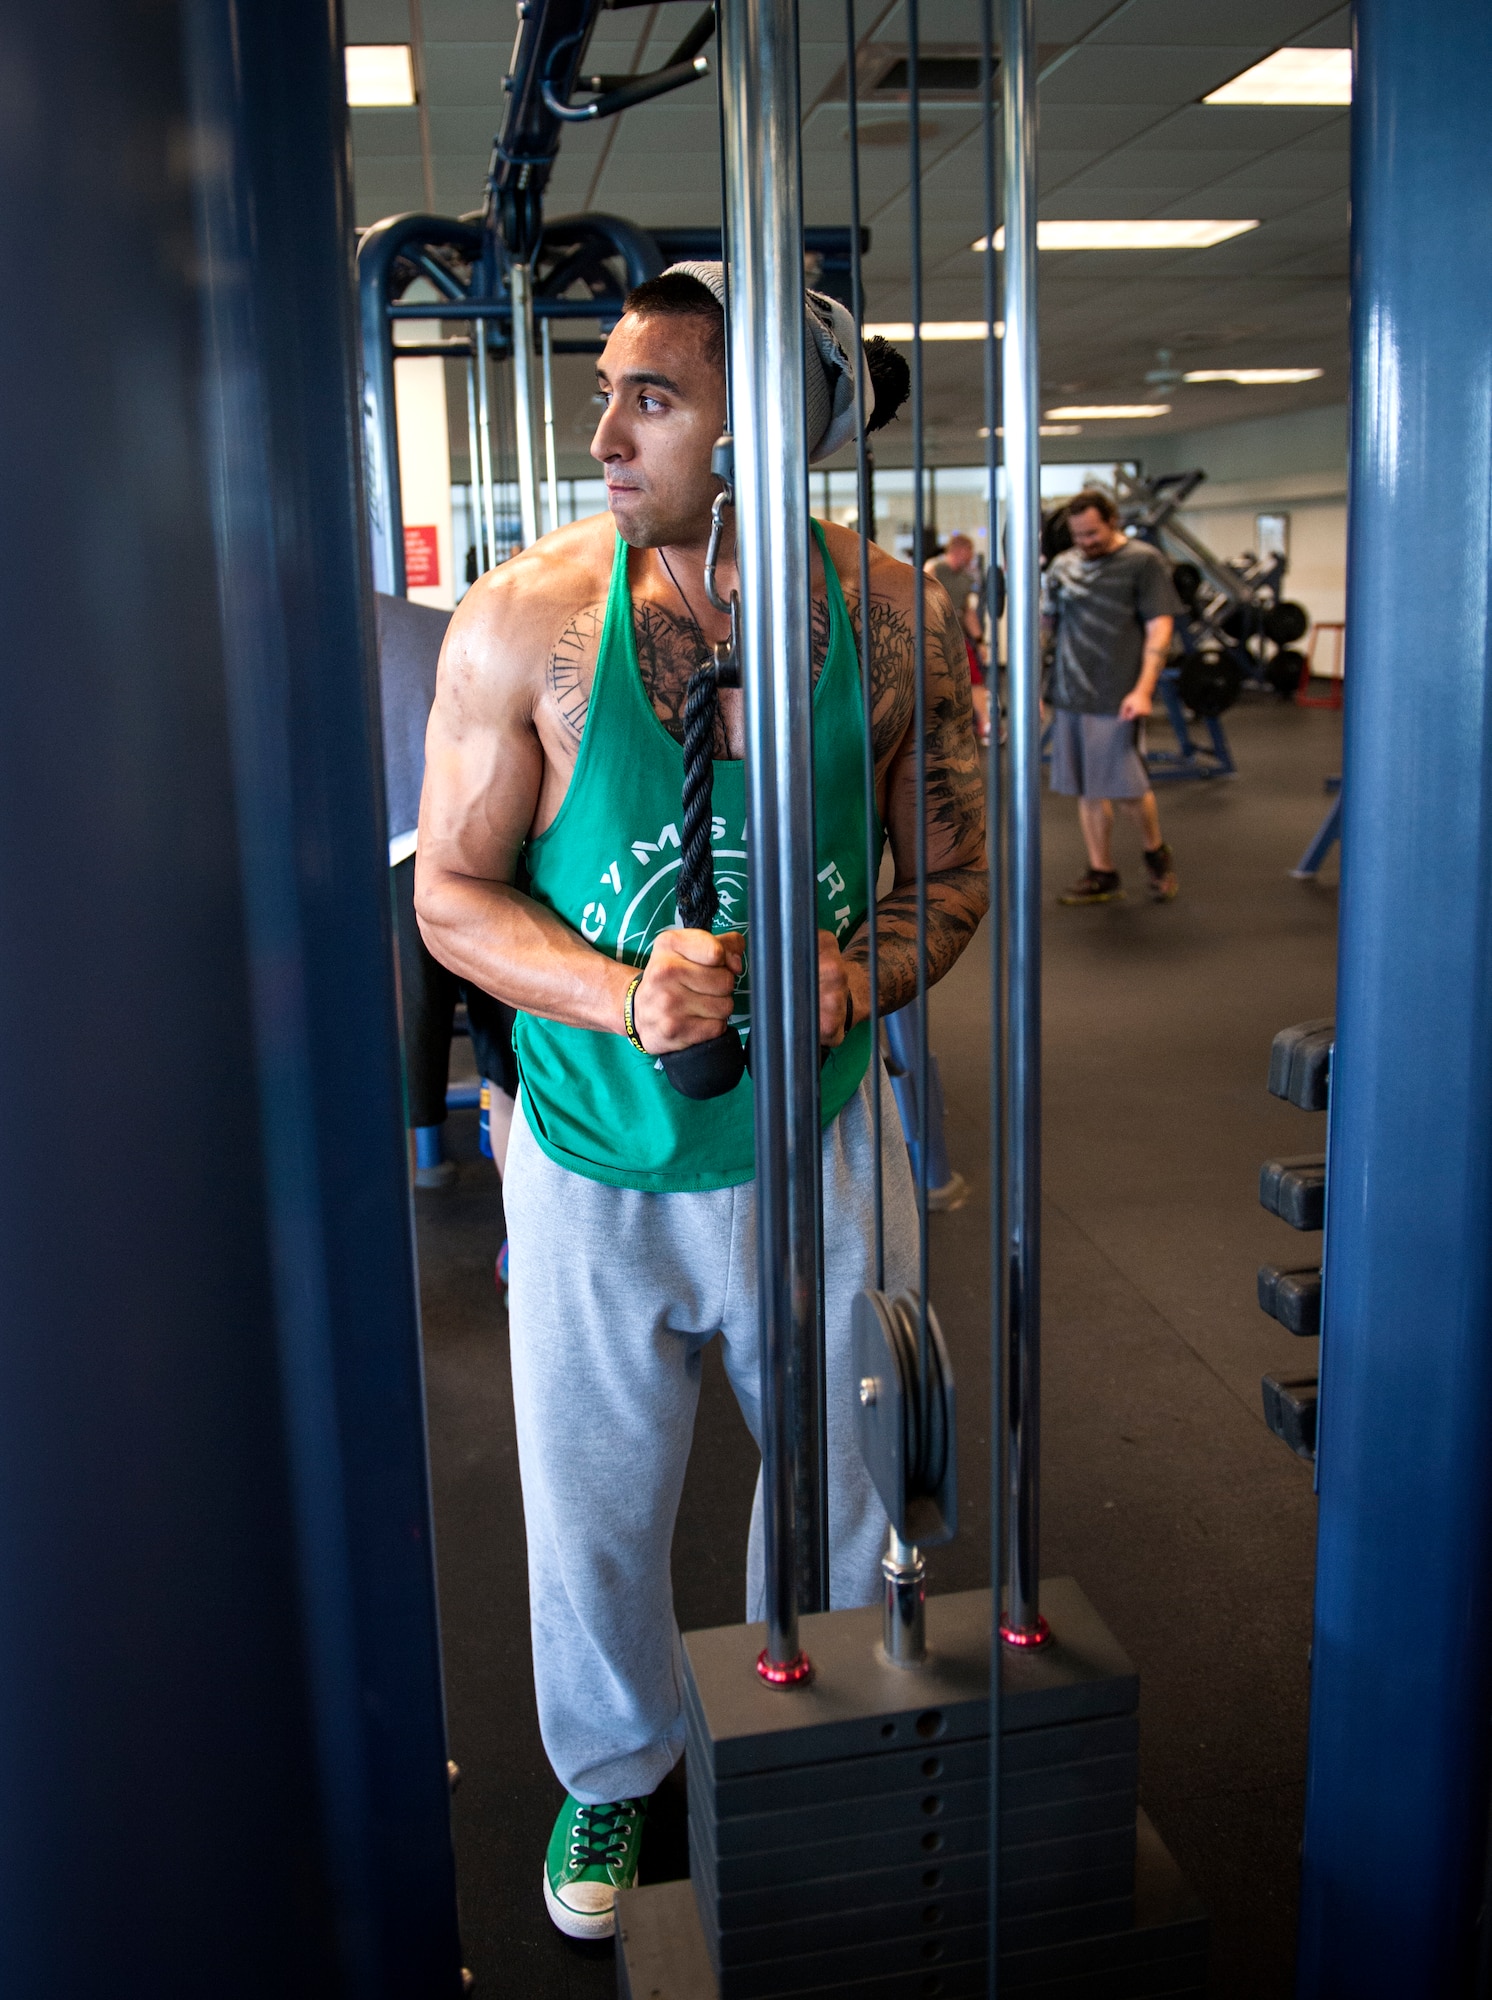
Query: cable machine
<point x="996" y="1836"/>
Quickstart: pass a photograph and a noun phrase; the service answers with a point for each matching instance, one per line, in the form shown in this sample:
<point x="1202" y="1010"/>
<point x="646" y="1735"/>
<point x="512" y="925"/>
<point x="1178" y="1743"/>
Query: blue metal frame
<point x="1323" y="840"/>
<point x="1396" y="1809"/>
<point x="222" y="1754"/>
<point x="1190" y="759"/>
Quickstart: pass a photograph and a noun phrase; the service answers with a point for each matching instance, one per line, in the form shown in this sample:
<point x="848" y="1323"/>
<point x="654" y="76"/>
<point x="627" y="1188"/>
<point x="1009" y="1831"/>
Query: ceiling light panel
<point x="1291" y="76"/>
<point x="1253" y="378"/>
<point x="1149" y="233"/>
<point x="933" y="329"/>
<point x="379" y="73"/>
<point x="1082" y="413"/>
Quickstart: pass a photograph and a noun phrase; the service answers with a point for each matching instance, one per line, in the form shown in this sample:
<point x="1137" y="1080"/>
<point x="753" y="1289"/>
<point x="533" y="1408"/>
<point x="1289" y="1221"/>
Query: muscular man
<point x="1113" y="608"/>
<point x="548" y="867"/>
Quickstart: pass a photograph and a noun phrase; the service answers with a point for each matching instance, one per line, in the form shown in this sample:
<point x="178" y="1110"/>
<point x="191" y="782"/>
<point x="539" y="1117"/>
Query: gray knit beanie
<point x="829" y="341"/>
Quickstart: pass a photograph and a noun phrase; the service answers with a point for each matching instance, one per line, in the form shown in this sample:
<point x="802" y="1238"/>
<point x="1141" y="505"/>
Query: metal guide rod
<point x="474" y="457"/>
<point x="484" y="421"/>
<point x="866" y="513"/>
<point x="525" y="431"/>
<point x="551" y="472"/>
<point x="919" y="654"/>
<point x="1020" y="384"/>
<point x="999" y="1292"/>
<point x="764" y="237"/>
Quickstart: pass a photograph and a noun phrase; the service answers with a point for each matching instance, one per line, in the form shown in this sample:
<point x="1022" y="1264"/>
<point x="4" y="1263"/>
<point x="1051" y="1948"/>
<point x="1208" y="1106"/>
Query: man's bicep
<point x="483" y="769"/>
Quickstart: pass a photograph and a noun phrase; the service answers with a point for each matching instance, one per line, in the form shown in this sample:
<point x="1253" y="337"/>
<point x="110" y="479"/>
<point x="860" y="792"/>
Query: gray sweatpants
<point x="612" y="1298"/>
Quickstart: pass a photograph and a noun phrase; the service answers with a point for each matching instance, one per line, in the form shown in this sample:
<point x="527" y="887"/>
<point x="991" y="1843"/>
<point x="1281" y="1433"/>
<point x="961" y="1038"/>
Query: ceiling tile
<point x="666" y="172"/>
<point x="377" y="20"/>
<point x="1138" y="166"/>
<point x="388" y="187"/>
<point x="1251" y="128"/>
<point x="1088" y="202"/>
<point x="467" y="74"/>
<point x="465" y="133"/>
<point x="465" y="21"/>
<point x="668" y="122"/>
<point x="1151" y="22"/>
<point x="1098" y="127"/>
<point x="383" y="134"/>
<point x="1290" y="170"/>
<point x="1333" y="33"/>
<point x="1114" y="75"/>
<point x="1065" y="20"/>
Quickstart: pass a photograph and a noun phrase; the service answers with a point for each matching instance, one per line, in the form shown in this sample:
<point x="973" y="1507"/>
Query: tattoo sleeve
<point x="957" y="882"/>
<point x="892" y="671"/>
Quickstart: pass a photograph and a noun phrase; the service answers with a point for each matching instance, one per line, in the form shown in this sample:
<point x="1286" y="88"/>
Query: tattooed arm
<point x="957" y="877"/>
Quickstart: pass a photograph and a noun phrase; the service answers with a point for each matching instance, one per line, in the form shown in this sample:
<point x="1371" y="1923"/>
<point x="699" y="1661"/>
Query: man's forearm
<point x="957" y="899"/>
<point x="1152" y="666"/>
<point x="513" y="948"/>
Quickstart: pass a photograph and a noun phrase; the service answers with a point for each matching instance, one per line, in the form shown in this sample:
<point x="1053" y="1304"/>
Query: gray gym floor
<point x="1187" y="1524"/>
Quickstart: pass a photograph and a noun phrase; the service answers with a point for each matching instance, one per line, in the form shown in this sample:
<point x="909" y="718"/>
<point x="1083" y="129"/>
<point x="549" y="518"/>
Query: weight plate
<point x="1209" y="683"/>
<point x="1283" y="671"/>
<point x="1286" y="622"/>
<point x="1188" y="581"/>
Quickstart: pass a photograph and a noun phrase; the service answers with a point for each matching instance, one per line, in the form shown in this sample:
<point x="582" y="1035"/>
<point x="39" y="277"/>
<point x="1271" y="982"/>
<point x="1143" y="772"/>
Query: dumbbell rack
<point x="1294" y="1189"/>
<point x="839" y="1832"/>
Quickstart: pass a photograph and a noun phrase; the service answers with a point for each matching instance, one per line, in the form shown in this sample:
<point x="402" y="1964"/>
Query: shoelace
<point x="603" y="1832"/>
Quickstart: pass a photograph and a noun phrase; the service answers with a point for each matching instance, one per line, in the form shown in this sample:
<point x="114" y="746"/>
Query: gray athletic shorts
<point x="1097" y="756"/>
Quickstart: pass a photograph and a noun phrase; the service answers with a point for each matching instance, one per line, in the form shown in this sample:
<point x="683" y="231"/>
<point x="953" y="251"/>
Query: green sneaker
<point x="592" y="1853"/>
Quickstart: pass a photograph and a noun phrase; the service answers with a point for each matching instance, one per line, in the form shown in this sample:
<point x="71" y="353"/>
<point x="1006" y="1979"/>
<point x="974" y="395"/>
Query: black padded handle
<point x="707" y="1069"/>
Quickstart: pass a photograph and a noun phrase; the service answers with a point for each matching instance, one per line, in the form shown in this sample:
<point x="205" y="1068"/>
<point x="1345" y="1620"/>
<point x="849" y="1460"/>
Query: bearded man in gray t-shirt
<point x="1111" y="606"/>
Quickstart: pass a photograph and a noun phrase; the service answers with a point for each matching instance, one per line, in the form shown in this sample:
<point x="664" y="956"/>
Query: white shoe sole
<point x="577" y="1923"/>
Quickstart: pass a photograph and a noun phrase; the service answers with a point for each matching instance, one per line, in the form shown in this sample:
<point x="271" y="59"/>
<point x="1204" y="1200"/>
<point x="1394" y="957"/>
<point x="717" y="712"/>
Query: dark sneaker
<point x="1097" y="886"/>
<point x="592" y="1853"/>
<point x="1160" y="873"/>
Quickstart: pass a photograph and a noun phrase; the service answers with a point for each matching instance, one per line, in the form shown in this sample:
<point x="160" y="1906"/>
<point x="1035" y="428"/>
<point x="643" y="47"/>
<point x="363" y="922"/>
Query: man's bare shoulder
<point x="506" y="626"/>
<point x="891" y="580"/>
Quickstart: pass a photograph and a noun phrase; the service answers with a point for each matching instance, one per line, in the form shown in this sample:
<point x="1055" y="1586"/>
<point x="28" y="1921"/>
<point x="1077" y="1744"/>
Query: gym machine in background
<point x="996" y="1834"/>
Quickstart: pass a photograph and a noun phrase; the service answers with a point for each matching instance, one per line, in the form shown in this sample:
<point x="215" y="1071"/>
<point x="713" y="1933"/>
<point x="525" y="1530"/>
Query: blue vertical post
<point x="1396" y="1812"/>
<point x="222" y="1758"/>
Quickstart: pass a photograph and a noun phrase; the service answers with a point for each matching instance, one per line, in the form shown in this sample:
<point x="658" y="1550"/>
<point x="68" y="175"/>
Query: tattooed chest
<point x="669" y="650"/>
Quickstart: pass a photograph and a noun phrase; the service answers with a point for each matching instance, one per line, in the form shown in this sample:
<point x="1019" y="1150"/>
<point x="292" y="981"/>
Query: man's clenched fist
<point x="686" y="995"/>
<point x="842" y="982"/>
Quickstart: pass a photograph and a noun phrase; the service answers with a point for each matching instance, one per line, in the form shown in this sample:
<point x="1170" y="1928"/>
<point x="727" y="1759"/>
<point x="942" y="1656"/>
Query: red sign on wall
<point x="421" y="559"/>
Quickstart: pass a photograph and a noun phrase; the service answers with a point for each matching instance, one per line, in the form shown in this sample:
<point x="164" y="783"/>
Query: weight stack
<point x="839" y="1833"/>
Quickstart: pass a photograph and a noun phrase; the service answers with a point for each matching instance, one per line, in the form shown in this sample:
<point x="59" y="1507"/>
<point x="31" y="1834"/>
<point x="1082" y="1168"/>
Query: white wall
<point x="1294" y="465"/>
<point x="1316" y="577"/>
<point x="424" y="450"/>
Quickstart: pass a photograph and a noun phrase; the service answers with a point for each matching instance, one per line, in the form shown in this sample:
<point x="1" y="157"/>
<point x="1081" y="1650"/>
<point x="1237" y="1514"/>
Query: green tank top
<point x="608" y="866"/>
